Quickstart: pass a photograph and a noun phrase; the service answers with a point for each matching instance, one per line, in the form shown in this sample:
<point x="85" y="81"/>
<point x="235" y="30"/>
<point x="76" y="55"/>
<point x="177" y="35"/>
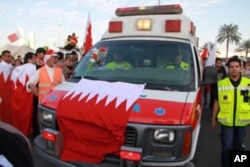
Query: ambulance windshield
<point x="161" y="65"/>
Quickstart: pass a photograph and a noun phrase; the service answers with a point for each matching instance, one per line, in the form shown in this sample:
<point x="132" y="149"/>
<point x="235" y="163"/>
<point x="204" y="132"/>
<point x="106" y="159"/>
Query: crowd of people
<point x="23" y="85"/>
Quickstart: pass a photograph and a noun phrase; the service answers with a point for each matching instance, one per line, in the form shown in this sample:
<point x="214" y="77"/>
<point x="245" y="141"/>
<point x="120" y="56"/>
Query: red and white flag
<point x="204" y="53"/>
<point x="96" y="114"/>
<point x="14" y="37"/>
<point x="20" y="99"/>
<point x="212" y="56"/>
<point x="87" y="44"/>
<point x="5" y="71"/>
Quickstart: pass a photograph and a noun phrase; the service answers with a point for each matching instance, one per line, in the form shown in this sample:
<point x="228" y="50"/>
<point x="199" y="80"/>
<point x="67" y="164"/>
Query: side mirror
<point x="209" y="76"/>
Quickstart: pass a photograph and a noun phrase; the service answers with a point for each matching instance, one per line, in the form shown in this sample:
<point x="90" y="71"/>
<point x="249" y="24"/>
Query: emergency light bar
<point x="149" y="10"/>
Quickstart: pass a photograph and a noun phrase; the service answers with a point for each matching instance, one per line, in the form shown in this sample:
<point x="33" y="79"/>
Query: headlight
<point x="164" y="135"/>
<point x="47" y="117"/>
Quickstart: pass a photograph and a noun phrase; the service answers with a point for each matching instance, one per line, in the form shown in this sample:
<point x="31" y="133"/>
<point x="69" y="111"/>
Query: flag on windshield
<point x="87" y="44"/>
<point x="14" y="37"/>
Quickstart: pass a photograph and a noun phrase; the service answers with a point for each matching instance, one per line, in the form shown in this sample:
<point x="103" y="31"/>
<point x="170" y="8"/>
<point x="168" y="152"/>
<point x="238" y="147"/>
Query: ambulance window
<point x="143" y="61"/>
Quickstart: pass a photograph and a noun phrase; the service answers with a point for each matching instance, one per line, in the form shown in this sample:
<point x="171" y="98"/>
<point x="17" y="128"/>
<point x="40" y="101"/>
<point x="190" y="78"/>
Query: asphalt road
<point x="208" y="148"/>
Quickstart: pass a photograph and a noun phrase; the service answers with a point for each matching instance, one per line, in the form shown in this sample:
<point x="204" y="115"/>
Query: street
<point x="208" y="148"/>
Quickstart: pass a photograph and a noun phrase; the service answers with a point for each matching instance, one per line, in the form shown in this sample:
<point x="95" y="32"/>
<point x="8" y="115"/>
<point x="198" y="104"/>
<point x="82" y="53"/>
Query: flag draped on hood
<point x="92" y="118"/>
<point x="21" y="100"/>
<point x="5" y="70"/>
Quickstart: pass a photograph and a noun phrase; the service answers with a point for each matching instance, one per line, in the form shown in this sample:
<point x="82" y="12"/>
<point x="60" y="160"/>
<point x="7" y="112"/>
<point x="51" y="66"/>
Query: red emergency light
<point x="115" y="26"/>
<point x="192" y="28"/>
<point x="149" y="10"/>
<point x="173" y="26"/>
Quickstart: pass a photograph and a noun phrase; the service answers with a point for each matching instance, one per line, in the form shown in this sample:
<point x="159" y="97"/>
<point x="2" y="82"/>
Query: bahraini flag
<point x="20" y="99"/>
<point x="204" y="53"/>
<point x="5" y="71"/>
<point x="96" y="114"/>
<point x="14" y="37"/>
<point x="87" y="44"/>
<point x="212" y="56"/>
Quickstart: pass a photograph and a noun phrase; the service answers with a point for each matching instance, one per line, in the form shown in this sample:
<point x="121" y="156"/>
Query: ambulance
<point x="163" y="124"/>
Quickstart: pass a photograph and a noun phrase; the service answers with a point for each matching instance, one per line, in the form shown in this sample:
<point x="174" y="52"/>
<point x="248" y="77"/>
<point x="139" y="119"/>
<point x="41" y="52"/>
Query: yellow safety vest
<point x="122" y="66"/>
<point x="183" y="65"/>
<point x="234" y="106"/>
<point x="44" y="84"/>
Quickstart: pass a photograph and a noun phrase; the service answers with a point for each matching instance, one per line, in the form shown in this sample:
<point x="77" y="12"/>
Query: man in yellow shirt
<point x="231" y="109"/>
<point x="118" y="62"/>
<point x="178" y="63"/>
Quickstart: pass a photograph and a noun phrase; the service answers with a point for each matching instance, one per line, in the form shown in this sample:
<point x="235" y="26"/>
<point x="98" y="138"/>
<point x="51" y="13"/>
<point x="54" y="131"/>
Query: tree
<point x="230" y="34"/>
<point x="244" y="46"/>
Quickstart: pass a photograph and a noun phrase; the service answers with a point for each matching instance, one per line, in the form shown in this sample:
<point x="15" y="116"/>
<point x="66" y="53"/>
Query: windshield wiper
<point x="157" y="87"/>
<point x="91" y="77"/>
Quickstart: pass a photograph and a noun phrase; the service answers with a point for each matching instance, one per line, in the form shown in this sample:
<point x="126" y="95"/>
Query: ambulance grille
<point x="130" y="137"/>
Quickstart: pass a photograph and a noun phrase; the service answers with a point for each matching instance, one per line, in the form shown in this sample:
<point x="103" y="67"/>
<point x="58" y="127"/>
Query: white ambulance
<point x="155" y="46"/>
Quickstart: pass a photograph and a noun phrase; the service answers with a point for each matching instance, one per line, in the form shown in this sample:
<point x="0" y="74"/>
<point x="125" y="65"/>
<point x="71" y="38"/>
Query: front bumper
<point x="50" y="156"/>
<point x="45" y="157"/>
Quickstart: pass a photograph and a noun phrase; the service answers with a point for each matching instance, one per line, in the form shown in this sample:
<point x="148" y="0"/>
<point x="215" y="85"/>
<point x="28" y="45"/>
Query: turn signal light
<point x="132" y="156"/>
<point x="49" y="135"/>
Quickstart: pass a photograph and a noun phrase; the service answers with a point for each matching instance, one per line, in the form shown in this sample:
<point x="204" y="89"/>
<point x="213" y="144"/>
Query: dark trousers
<point x="212" y="94"/>
<point x="231" y="140"/>
<point x="35" y="125"/>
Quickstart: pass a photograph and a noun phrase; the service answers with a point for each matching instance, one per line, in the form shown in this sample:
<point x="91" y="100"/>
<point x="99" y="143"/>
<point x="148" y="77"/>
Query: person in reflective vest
<point x="47" y="76"/>
<point x="232" y="109"/>
<point x="178" y="63"/>
<point x="118" y="62"/>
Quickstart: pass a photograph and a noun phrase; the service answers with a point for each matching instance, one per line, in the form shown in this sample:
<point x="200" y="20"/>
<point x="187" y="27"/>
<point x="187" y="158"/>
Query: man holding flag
<point x="22" y="101"/>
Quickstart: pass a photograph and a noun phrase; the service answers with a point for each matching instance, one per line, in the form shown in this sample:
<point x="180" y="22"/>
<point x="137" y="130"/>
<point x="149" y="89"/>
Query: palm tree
<point x="230" y="34"/>
<point x="244" y="46"/>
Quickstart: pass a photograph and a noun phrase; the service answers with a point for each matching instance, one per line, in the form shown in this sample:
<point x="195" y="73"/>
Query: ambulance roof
<point x="151" y="21"/>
